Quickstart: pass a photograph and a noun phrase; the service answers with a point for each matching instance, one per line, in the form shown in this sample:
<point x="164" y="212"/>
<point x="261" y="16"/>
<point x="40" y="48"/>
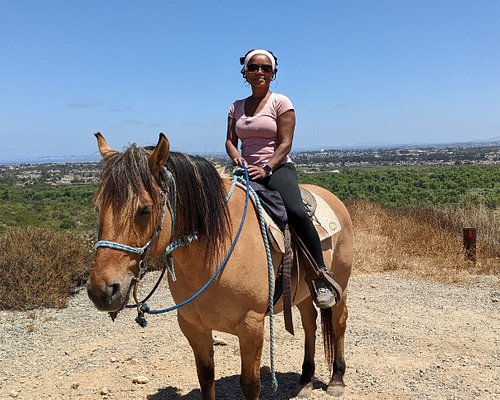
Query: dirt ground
<point x="406" y="339"/>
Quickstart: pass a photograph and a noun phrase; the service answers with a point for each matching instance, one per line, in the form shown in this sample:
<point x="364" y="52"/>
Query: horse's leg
<point x="339" y="319"/>
<point x="251" y="337"/>
<point x="308" y="315"/>
<point x="201" y="342"/>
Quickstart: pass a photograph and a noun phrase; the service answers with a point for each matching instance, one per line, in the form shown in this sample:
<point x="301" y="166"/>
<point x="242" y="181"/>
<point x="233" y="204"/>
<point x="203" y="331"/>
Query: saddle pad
<point x="324" y="219"/>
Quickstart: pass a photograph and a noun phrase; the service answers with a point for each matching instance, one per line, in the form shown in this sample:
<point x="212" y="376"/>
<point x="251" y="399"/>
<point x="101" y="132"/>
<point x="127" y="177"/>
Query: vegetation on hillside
<point x="414" y="245"/>
<point x="55" y="207"/>
<point x="402" y="187"/>
<point x="449" y="198"/>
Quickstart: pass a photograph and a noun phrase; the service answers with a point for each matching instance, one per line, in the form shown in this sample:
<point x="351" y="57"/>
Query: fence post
<point x="470" y="244"/>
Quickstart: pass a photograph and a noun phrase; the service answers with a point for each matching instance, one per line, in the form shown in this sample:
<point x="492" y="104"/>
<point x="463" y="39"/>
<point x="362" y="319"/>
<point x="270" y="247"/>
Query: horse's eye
<point x="145" y="210"/>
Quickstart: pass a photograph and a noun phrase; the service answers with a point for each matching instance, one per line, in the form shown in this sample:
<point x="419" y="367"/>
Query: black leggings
<point x="284" y="180"/>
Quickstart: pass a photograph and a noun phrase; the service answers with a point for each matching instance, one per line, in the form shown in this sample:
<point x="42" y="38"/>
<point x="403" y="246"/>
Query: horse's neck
<point x="188" y="263"/>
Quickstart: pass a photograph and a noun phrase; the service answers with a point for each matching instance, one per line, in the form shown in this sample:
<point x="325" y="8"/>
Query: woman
<point x="265" y="124"/>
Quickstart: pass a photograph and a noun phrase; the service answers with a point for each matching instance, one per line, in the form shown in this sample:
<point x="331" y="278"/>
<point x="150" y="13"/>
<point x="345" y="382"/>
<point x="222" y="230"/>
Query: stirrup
<point x="328" y="284"/>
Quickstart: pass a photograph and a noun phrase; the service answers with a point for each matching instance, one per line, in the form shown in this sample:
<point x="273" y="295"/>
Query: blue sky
<point x="357" y="72"/>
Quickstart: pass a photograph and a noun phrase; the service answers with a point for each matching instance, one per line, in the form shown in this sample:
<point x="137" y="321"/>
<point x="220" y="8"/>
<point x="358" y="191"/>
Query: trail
<point x="406" y="339"/>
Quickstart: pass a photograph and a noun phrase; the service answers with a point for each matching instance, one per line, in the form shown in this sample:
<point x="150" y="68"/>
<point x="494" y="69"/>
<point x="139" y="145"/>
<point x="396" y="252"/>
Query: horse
<point x="129" y="201"/>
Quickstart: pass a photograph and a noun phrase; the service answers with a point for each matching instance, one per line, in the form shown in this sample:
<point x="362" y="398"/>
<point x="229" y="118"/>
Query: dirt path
<point x="406" y="339"/>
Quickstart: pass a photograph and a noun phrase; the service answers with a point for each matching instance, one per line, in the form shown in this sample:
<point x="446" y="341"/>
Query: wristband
<point x="268" y="170"/>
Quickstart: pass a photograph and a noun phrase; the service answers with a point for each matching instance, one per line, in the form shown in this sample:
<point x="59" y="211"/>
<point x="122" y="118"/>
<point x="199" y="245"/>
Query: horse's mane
<point x="200" y="193"/>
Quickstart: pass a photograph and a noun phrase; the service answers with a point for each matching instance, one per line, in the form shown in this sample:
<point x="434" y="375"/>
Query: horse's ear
<point x="104" y="148"/>
<point x="159" y="156"/>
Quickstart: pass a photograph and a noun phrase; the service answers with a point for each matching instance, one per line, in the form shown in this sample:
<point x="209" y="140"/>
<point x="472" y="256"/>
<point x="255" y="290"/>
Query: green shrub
<point x="40" y="267"/>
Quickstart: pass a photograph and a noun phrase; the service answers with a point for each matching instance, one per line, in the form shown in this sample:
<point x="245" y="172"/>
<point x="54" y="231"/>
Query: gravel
<point x="406" y="339"/>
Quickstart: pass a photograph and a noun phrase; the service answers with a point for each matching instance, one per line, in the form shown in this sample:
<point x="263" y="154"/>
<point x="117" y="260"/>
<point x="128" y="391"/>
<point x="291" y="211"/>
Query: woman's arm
<point x="286" y="129"/>
<point x="232" y="143"/>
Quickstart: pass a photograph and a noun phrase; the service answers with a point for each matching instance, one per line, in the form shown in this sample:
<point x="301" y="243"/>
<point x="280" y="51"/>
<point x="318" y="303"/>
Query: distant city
<point x="78" y="171"/>
<point x="364" y="149"/>
<point x="405" y="156"/>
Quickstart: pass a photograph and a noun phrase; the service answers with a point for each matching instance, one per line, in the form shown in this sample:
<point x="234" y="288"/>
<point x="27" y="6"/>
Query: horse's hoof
<point x="336" y="389"/>
<point x="305" y="391"/>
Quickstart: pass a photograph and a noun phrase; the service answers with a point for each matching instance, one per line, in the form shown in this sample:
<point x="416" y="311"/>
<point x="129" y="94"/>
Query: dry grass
<point x="419" y="243"/>
<point x="40" y="267"/>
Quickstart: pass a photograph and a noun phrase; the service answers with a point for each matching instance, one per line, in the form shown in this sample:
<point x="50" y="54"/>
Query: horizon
<point x="388" y="72"/>
<point x="95" y="157"/>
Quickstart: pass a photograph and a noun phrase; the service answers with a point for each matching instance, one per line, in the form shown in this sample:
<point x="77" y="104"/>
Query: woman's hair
<point x="242" y="62"/>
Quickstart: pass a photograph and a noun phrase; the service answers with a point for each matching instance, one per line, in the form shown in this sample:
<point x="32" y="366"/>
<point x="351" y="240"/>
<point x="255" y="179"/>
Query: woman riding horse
<point x="135" y="186"/>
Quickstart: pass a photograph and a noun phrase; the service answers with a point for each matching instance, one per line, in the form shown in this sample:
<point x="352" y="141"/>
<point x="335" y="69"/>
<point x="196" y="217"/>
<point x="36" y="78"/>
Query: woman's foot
<point x="324" y="296"/>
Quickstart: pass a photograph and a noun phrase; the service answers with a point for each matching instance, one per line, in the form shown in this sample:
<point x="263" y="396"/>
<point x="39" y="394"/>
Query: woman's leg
<point x="284" y="180"/>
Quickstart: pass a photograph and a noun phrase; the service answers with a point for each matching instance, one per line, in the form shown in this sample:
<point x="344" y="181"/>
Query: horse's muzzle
<point x="108" y="296"/>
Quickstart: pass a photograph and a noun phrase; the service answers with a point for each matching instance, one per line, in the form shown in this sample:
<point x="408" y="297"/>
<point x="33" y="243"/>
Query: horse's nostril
<point x="113" y="289"/>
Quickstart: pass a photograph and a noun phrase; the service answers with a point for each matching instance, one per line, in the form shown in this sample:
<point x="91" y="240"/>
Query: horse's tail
<point x="328" y="335"/>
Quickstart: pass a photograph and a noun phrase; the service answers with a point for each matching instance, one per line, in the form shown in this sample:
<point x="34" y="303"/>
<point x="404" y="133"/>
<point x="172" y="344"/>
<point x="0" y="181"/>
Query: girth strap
<point x="287" y="281"/>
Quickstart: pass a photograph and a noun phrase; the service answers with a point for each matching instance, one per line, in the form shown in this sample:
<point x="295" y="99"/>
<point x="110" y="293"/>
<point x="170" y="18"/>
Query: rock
<point x="13" y="393"/>
<point x="75" y="386"/>
<point x="140" y="380"/>
<point x="113" y="359"/>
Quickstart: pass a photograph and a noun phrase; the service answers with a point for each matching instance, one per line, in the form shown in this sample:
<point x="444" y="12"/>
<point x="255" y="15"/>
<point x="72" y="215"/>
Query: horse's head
<point x="131" y="209"/>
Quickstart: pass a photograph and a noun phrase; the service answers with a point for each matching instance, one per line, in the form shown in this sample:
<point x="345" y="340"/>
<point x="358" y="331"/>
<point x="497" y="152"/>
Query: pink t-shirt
<point x="259" y="134"/>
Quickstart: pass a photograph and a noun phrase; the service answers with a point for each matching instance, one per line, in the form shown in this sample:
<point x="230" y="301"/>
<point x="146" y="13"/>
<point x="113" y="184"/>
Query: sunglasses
<point x="256" y="67"/>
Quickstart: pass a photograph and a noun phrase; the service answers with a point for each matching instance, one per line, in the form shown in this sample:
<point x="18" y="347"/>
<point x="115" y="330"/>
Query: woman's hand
<point x="256" y="173"/>
<point x="239" y="161"/>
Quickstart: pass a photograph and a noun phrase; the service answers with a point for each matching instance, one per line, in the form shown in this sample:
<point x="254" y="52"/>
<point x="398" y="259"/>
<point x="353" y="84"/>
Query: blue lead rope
<point x="270" y="271"/>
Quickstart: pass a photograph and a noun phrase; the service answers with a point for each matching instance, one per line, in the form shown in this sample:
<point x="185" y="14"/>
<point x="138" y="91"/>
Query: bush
<point x="40" y="267"/>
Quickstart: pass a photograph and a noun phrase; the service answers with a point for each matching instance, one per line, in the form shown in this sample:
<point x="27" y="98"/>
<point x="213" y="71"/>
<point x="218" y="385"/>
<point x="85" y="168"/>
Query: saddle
<point x="324" y="220"/>
<point x="287" y="243"/>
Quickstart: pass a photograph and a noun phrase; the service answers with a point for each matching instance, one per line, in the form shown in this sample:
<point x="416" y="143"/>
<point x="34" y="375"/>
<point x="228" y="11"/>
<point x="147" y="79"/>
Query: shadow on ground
<point x="229" y="388"/>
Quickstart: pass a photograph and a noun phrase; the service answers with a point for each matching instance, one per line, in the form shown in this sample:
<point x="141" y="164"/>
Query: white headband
<point x="263" y="52"/>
